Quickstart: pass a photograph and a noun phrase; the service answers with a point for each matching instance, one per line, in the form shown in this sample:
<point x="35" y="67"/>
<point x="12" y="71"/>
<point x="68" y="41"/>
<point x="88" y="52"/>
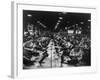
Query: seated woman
<point x="76" y="55"/>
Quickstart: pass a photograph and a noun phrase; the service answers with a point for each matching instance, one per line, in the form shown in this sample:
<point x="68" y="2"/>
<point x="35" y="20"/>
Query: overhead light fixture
<point x="29" y="15"/>
<point x="60" y="18"/>
<point x="59" y="21"/>
<point x="81" y="22"/>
